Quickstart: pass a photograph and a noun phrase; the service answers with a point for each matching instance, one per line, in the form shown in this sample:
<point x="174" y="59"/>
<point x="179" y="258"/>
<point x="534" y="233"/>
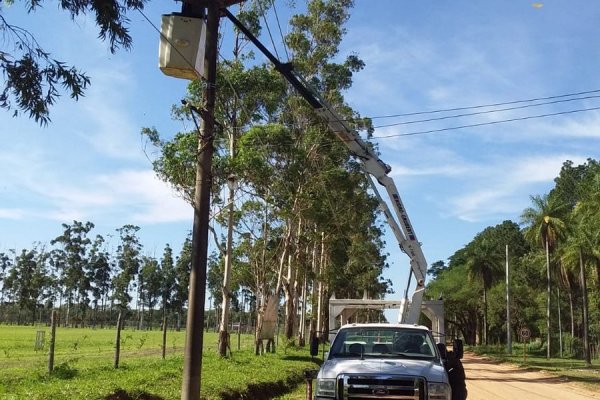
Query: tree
<point x="72" y="262"/>
<point x="484" y="263"/>
<point x="168" y="278"/>
<point x="100" y="267"/>
<point x="289" y="167"/>
<point x="545" y="224"/>
<point x="5" y="264"/>
<point x="27" y="281"/>
<point x="128" y="263"/>
<point x="151" y="281"/>
<point x="32" y="77"/>
<point x="436" y="269"/>
<point x="183" y="266"/>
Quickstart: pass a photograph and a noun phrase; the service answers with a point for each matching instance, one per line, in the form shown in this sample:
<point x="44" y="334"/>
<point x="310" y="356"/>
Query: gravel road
<point x="488" y="380"/>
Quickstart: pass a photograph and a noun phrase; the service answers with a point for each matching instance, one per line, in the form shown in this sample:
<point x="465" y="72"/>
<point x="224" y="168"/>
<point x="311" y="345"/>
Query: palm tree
<point x="484" y="263"/>
<point x="545" y="223"/>
<point x="586" y="217"/>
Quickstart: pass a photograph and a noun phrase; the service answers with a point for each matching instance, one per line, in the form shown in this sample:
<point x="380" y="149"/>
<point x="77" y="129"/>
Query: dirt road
<point x="488" y="380"/>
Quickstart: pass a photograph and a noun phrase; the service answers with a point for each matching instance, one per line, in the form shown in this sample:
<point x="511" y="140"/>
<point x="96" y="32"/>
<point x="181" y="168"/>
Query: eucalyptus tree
<point x="128" y="265"/>
<point x="183" y="266"/>
<point x="314" y="39"/>
<point x="27" y="280"/>
<point x="278" y="153"/>
<point x="246" y="95"/>
<point x="545" y="224"/>
<point x="150" y="281"/>
<point x="168" y="280"/>
<point x="33" y="77"/>
<point x="100" y="267"/>
<point x="5" y="265"/>
<point x="72" y="261"/>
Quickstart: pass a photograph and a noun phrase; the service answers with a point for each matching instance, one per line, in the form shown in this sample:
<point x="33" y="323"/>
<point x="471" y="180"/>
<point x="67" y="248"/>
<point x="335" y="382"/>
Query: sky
<point x="91" y="163"/>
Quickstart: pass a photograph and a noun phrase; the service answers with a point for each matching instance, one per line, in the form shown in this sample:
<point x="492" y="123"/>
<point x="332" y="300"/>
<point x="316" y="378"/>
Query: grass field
<point x="84" y="366"/>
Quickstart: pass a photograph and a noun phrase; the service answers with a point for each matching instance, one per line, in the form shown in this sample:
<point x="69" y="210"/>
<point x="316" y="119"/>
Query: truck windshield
<point x="392" y="342"/>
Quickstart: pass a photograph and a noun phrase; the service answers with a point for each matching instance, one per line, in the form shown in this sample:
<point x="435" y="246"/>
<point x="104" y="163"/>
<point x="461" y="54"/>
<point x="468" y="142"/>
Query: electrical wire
<point x="484" y="105"/>
<point x="486" y="123"/>
<point x="262" y="11"/>
<point x="423" y="132"/>
<point x="280" y="30"/>
<point x="487" y="112"/>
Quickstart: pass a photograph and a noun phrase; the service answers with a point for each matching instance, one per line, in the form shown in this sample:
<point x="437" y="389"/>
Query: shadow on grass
<point x="317" y="360"/>
<point x="123" y="395"/>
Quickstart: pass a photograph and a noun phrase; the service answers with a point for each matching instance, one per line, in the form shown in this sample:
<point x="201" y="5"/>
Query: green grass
<point x="84" y="366"/>
<point x="570" y="369"/>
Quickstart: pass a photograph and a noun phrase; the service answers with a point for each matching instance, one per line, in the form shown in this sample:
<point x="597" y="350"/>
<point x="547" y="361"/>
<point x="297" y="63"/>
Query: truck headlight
<point x="326" y="387"/>
<point x="439" y="391"/>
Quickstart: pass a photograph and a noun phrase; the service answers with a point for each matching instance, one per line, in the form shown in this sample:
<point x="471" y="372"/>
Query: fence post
<point x="53" y="322"/>
<point x="164" y="336"/>
<point x="118" y="340"/>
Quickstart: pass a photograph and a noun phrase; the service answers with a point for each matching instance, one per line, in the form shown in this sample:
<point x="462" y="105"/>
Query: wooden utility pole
<point x="192" y="364"/>
<point x="508" y="327"/>
<point x="194" y="335"/>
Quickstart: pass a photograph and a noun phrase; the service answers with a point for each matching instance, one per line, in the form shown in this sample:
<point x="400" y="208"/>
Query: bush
<point x="573" y="347"/>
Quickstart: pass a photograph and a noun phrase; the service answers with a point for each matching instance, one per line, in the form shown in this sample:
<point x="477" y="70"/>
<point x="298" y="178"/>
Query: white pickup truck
<point x="389" y="361"/>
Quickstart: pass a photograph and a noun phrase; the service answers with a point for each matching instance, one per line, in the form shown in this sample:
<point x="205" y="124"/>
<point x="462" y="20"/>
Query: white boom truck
<point x="373" y="361"/>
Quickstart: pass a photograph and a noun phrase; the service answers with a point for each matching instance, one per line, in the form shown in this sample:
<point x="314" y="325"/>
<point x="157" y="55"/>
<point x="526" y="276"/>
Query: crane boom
<point x="371" y="164"/>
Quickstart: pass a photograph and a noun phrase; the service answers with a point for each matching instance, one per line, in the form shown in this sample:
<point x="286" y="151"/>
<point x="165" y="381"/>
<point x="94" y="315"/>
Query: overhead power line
<point x="484" y="105"/>
<point x="487" y="112"/>
<point x="487" y="123"/>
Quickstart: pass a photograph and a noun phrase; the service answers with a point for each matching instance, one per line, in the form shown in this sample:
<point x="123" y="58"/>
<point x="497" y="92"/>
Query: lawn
<point x="84" y="366"/>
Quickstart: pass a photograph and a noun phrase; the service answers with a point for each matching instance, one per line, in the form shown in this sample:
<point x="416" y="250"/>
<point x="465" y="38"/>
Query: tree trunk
<point x="320" y="327"/>
<point x="164" y="333"/>
<point x="548" y="336"/>
<point x="302" y="324"/>
<point x="586" y="339"/>
<point x="485" y="329"/>
<point x="572" y="313"/>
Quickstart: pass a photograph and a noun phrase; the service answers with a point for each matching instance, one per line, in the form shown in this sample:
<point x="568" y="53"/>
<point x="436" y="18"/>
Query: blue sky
<point x="90" y="163"/>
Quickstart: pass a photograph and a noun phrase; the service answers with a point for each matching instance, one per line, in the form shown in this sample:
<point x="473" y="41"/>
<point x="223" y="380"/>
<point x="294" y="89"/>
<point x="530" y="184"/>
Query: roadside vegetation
<point x="554" y="273"/>
<point x="84" y="368"/>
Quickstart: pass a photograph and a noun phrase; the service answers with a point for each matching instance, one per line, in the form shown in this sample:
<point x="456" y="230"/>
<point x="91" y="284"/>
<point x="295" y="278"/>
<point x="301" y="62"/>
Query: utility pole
<point x="192" y="363"/>
<point x="508" y="329"/>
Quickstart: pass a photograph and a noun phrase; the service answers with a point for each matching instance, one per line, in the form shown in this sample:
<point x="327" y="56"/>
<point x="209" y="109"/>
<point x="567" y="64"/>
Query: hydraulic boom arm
<point x="372" y="164"/>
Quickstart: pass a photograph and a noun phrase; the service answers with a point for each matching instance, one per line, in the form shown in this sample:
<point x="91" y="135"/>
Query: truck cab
<point x="378" y="361"/>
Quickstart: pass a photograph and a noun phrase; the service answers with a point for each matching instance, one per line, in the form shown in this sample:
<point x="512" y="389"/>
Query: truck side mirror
<point x="457" y="346"/>
<point x="314" y="346"/>
<point x="443" y="351"/>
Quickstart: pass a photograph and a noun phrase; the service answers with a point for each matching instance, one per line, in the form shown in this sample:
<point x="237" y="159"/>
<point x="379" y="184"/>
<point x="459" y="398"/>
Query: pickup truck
<point x="393" y="361"/>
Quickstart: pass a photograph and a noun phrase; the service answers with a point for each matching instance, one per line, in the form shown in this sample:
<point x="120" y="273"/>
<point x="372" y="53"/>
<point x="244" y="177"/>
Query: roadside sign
<point x="525" y="333"/>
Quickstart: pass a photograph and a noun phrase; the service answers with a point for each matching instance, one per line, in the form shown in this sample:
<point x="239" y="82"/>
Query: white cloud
<point x="151" y="200"/>
<point x="11" y="213"/>
<point x="503" y="186"/>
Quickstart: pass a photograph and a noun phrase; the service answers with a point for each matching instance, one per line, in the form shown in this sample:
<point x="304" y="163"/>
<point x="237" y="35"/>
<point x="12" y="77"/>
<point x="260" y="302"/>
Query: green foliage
<point x="568" y="221"/>
<point x="33" y="77"/>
